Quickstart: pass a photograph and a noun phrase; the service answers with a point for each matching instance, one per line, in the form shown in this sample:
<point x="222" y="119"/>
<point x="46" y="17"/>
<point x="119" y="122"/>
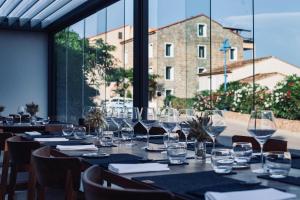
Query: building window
<point x="150" y="70"/>
<point x="150" y="50"/>
<point x="169" y="50"/>
<point x="201" y="70"/>
<point x="202" y="51"/>
<point x="169" y="73"/>
<point x="233" y="54"/>
<point x="201" y="30"/>
<point x="169" y="92"/>
<point x="120" y="35"/>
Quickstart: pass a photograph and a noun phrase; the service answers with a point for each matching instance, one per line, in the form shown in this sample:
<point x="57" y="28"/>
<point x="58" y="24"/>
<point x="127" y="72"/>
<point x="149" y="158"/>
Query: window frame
<point x="198" y="52"/>
<point x="172" y="73"/>
<point x="171" y="50"/>
<point x="204" y="30"/>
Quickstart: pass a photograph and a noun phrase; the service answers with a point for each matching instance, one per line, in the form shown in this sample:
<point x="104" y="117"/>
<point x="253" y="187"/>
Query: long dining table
<point x="183" y="180"/>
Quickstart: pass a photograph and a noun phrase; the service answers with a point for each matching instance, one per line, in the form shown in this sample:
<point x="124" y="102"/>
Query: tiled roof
<point x="260" y="76"/>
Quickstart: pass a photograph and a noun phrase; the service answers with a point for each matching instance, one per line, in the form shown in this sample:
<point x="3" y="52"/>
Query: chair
<point x="94" y="189"/>
<point x="61" y="174"/>
<point x="19" y="154"/>
<point x="270" y="145"/>
<point x="53" y="128"/>
<point x="139" y="128"/>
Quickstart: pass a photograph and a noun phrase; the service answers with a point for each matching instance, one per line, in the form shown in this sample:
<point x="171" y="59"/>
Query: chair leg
<point x="4" y="175"/>
<point x="12" y="182"/>
<point x="31" y="185"/>
<point x="40" y="193"/>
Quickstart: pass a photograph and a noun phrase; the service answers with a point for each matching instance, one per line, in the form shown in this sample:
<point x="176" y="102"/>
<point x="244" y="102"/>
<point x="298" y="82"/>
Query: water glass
<point x="222" y="160"/>
<point x="278" y="164"/>
<point x="242" y="152"/>
<point x="68" y="130"/>
<point x="107" y="139"/>
<point x="9" y="120"/>
<point x="79" y="133"/>
<point x="176" y="153"/>
<point x="170" y="138"/>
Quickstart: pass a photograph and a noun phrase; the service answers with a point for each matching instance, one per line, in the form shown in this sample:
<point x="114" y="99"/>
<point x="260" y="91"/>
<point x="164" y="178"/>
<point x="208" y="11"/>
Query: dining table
<point x="188" y="181"/>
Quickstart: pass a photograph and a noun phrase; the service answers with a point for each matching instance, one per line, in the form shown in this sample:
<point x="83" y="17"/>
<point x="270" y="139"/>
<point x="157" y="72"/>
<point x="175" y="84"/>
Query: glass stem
<point x="262" y="155"/>
<point x="148" y="138"/>
<point x="214" y="142"/>
<point x="186" y="139"/>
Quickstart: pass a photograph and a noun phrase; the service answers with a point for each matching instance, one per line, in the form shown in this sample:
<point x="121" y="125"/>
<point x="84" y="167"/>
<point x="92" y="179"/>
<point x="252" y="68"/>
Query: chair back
<point x="92" y="178"/>
<point x="54" y="172"/>
<point x="19" y="150"/>
<point x="139" y="128"/>
<point x="270" y="145"/>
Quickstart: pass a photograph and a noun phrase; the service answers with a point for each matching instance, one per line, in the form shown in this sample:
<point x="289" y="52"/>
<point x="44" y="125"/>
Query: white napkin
<point x="33" y="133"/>
<point x="265" y="194"/>
<point x="54" y="139"/>
<point x="137" y="168"/>
<point x="77" y="147"/>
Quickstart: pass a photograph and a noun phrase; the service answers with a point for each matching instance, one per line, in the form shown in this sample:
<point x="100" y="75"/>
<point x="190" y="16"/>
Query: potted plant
<point x="95" y="119"/>
<point x="32" y="109"/>
<point x="201" y="137"/>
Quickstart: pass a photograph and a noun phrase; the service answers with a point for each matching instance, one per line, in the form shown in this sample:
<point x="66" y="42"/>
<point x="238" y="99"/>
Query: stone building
<point x="180" y="51"/>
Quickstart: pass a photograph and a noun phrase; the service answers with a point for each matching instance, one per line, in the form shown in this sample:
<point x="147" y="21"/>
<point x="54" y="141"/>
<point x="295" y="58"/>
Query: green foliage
<point x="286" y="98"/>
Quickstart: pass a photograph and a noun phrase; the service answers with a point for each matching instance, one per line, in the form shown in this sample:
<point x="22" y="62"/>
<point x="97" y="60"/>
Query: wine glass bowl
<point x="148" y="120"/>
<point x="213" y="124"/>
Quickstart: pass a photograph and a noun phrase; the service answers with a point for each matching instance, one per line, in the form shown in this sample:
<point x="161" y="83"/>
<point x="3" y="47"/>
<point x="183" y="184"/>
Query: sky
<point x="277" y="22"/>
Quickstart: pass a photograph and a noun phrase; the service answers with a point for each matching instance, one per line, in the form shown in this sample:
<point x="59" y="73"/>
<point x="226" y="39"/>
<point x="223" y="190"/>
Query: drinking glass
<point x="261" y="126"/>
<point x="148" y="119"/>
<point x="168" y="120"/>
<point x="176" y="152"/>
<point x="214" y="124"/>
<point x="222" y="160"/>
<point x="242" y="152"/>
<point x="278" y="164"/>
<point x="21" y="111"/>
<point x="107" y="139"/>
<point x="68" y="130"/>
<point x="131" y="118"/>
<point x="186" y="116"/>
<point x="79" y="132"/>
<point x="117" y="121"/>
<point x="170" y="138"/>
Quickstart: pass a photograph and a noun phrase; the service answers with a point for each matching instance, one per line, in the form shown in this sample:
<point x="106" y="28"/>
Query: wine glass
<point x="168" y="120"/>
<point x="68" y="130"/>
<point x="186" y="116"/>
<point x="21" y="111"/>
<point x="261" y="126"/>
<point x="117" y="121"/>
<point x="213" y="124"/>
<point x="131" y="118"/>
<point x="148" y="119"/>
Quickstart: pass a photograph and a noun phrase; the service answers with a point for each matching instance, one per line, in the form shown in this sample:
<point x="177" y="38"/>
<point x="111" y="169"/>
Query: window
<point x="169" y="92"/>
<point x="150" y="50"/>
<point x="233" y="54"/>
<point x="202" y="29"/>
<point x="202" y="51"/>
<point x="201" y="70"/>
<point x="169" y="50"/>
<point x="169" y="74"/>
<point x="120" y="35"/>
<point x="150" y="70"/>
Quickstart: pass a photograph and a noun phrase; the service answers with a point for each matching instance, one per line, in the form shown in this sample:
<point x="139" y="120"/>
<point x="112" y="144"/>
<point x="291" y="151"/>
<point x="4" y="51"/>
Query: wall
<point x="23" y="70"/>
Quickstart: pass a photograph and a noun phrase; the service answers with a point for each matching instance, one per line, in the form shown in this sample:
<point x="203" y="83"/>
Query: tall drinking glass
<point x="131" y="118"/>
<point x="261" y="126"/>
<point x="148" y="119"/>
<point x="214" y="124"/>
<point x="117" y="120"/>
<point x="168" y="120"/>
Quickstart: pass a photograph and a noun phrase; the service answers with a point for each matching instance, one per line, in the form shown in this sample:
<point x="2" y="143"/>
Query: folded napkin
<point x="77" y="147"/>
<point x="33" y="133"/>
<point x="268" y="194"/>
<point x="54" y="139"/>
<point x="137" y="168"/>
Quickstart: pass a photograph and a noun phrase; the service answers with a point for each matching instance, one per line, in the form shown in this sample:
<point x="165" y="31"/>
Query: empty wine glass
<point x="21" y="111"/>
<point x="261" y="126"/>
<point x="168" y="120"/>
<point x="117" y="121"/>
<point x="186" y="116"/>
<point x="131" y="118"/>
<point x="148" y="119"/>
<point x="214" y="124"/>
<point x="68" y="130"/>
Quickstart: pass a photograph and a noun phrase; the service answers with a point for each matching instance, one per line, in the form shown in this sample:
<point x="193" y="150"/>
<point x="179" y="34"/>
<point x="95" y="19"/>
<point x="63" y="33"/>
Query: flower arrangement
<point x="197" y="131"/>
<point x="32" y="108"/>
<point x="95" y="118"/>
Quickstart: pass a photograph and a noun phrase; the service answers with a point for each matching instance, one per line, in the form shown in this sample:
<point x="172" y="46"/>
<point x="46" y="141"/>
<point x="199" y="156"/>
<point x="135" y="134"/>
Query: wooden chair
<point x="19" y="154"/>
<point x="139" y="128"/>
<point x="270" y="145"/>
<point x="5" y="162"/>
<point x="58" y="173"/>
<point x="94" y="189"/>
